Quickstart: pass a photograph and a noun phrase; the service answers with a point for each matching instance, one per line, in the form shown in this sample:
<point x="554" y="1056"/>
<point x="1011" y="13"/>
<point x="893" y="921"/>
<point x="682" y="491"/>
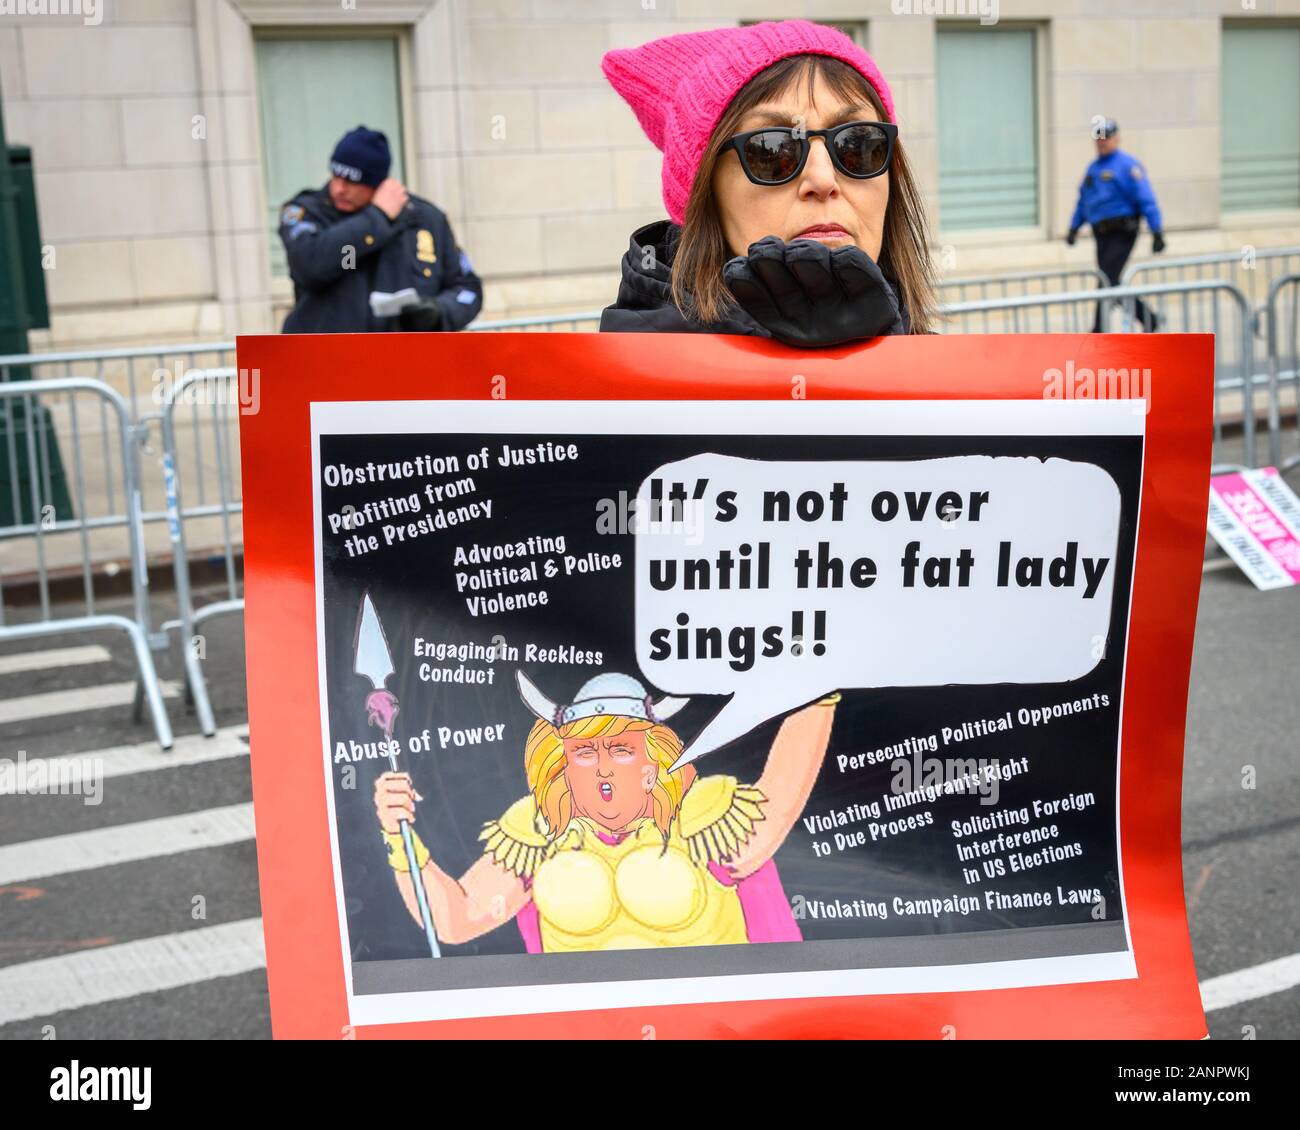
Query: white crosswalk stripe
<point x="53" y="704"/>
<point x="1251" y="984"/>
<point x="125" y="843"/>
<point x="111" y="973"/>
<point x="123" y="760"/>
<point x="51" y="658"/>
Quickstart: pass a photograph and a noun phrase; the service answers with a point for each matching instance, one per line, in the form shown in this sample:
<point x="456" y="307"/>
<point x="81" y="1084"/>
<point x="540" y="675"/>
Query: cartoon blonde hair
<point x="544" y="766"/>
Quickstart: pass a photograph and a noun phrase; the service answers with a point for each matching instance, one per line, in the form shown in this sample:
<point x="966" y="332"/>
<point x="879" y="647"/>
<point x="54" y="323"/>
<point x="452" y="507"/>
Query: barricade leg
<point x="149" y="683"/>
<point x="198" y="687"/>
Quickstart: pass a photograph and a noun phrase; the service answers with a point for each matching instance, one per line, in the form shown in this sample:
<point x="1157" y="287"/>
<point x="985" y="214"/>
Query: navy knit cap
<point x="362" y="157"/>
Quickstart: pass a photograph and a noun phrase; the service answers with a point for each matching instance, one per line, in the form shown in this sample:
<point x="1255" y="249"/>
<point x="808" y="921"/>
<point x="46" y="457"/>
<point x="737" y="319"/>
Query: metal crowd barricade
<point x="72" y="524"/>
<point x="1282" y="318"/>
<point x="141" y="376"/>
<point x="209" y="463"/>
<point x="1068" y="318"/>
<point x="1232" y="325"/>
<point x="1252" y="270"/>
<point x="127" y="370"/>
<point x="976" y="288"/>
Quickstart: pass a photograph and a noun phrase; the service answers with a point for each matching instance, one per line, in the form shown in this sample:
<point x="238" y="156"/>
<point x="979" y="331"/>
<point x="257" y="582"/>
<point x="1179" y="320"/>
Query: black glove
<point x="1157" y="242"/>
<point x="806" y="294"/>
<point x="424" y="318"/>
<point x="1071" y="236"/>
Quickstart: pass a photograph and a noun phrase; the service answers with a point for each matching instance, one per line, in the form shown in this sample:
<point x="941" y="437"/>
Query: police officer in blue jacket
<point x="1114" y="196"/>
<point x="363" y="235"/>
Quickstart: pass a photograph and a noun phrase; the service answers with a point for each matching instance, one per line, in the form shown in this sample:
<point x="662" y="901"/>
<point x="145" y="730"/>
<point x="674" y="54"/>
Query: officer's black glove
<point x="1157" y="242"/>
<point x="1071" y="236"/>
<point x="424" y="318"/>
<point x="808" y="295"/>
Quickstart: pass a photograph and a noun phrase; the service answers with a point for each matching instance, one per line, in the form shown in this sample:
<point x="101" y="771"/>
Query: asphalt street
<point x="171" y="867"/>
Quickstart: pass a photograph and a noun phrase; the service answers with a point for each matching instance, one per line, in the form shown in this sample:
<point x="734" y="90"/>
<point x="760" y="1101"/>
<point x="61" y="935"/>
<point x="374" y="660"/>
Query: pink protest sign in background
<point x="1255" y="517"/>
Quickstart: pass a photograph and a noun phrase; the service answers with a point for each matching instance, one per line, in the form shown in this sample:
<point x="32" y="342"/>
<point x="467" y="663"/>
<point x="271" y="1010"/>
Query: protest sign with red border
<point x="307" y="952"/>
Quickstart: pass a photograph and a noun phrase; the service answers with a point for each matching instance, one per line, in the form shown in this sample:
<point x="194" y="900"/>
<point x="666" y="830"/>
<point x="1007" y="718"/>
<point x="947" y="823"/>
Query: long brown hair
<point x="697" y="286"/>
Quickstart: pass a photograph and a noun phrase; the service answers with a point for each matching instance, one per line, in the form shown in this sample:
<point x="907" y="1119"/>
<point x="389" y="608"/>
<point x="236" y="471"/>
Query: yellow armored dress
<point x="593" y="890"/>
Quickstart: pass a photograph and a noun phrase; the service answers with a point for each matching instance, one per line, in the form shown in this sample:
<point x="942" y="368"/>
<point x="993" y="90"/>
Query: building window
<point x="988" y="127"/>
<point x="1261" y="118"/>
<point x="311" y="92"/>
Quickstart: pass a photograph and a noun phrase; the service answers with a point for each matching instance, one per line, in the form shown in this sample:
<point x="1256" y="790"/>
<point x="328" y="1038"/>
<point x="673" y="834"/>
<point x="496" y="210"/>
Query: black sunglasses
<point x="777" y="154"/>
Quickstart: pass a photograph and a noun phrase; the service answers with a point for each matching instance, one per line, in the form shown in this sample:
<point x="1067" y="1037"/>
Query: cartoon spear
<point x="375" y="662"/>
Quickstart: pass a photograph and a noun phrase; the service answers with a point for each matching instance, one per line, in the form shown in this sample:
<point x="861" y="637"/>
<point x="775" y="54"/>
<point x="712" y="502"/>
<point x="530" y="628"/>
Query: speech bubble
<point x="964" y="570"/>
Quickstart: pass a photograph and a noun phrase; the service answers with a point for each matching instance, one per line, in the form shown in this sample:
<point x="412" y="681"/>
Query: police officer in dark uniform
<point x="363" y="235"/>
<point x="1114" y="196"/>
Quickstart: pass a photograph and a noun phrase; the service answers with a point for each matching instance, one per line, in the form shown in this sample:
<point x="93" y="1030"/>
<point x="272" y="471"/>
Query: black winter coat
<point x="416" y="250"/>
<point x="645" y="302"/>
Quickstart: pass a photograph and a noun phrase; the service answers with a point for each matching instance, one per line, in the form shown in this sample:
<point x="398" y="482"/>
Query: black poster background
<point x="414" y="594"/>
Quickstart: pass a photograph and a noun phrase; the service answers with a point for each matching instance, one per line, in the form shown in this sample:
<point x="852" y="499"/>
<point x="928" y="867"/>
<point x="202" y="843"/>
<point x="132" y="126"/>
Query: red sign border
<point x="305" y="968"/>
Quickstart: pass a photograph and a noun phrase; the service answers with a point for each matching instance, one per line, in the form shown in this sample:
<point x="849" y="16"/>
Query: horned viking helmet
<point x="611" y="693"/>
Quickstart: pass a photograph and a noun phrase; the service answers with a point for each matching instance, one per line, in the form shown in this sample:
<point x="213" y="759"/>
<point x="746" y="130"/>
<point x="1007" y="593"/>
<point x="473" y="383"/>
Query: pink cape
<point x="762" y="901"/>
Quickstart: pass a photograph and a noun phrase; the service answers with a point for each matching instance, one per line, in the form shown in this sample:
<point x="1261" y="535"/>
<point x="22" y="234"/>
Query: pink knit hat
<point x="679" y="86"/>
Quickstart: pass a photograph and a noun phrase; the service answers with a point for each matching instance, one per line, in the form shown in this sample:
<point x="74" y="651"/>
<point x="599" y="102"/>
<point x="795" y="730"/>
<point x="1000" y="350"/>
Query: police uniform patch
<point x="1136" y="170"/>
<point x="292" y="214"/>
<point x="464" y="264"/>
<point x="424" y="247"/>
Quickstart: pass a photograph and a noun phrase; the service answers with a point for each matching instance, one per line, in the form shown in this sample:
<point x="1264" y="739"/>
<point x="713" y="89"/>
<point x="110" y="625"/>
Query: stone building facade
<point x="150" y="128"/>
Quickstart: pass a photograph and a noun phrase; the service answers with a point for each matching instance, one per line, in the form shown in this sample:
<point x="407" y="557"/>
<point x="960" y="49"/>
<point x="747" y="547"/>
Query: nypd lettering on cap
<point x="347" y="172"/>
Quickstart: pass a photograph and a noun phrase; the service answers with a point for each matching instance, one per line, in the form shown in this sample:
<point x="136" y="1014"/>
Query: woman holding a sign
<point x="793" y="213"/>
<point x="613" y="848"/>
